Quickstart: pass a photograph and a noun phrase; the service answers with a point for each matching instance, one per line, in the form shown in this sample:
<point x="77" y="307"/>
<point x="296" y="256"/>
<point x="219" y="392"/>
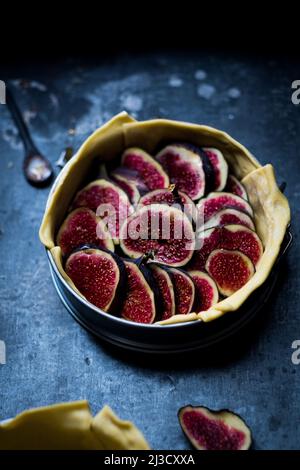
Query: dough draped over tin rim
<point x="271" y="208"/>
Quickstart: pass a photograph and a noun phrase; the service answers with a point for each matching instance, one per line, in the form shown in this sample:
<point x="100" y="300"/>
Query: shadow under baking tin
<point x="180" y="337"/>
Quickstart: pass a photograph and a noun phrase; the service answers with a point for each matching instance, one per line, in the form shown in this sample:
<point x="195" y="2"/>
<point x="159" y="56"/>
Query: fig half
<point x="99" y="275"/>
<point x="206" y="291"/>
<point x="166" y="290"/>
<point x="140" y="303"/>
<point x="184" y="290"/>
<point x="214" y="430"/>
<point x="149" y="170"/>
<point x="209" y="206"/>
<point x="229" y="216"/>
<point x="82" y="227"/>
<point x="234" y="186"/>
<point x="229" y="237"/>
<point x="170" y="196"/>
<point x="220" y="167"/>
<point x="185" y="169"/>
<point x="129" y="186"/>
<point x="165" y="231"/>
<point x="231" y="269"/>
<point x="108" y="201"/>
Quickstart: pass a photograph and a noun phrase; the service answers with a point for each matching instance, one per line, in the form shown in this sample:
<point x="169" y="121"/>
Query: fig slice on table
<point x="209" y="206"/>
<point x="129" y="186"/>
<point x="214" y="430"/>
<point x="206" y="291"/>
<point x="166" y="231"/>
<point x="81" y="227"/>
<point x="234" y="186"/>
<point x="229" y="216"/>
<point x="185" y="169"/>
<point x="229" y="237"/>
<point x="220" y="167"/>
<point x="230" y="269"/>
<point x="140" y="304"/>
<point x="184" y="290"/>
<point x="108" y="201"/>
<point x="99" y="275"/>
<point x="166" y="290"/>
<point x="149" y="171"/>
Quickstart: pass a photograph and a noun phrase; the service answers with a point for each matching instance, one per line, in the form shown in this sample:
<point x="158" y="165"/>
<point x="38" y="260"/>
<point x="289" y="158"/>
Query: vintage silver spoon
<point x="37" y="169"/>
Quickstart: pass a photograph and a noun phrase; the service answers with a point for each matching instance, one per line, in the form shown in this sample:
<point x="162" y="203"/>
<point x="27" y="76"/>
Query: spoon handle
<point x="19" y="122"/>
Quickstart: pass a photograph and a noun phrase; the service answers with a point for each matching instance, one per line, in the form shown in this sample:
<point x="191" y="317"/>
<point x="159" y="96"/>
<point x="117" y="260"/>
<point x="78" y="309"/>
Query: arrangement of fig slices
<point x="161" y="235"/>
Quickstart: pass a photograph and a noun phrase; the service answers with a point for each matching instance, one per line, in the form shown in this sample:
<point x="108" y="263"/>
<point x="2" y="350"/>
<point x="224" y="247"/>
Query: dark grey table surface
<point x="50" y="358"/>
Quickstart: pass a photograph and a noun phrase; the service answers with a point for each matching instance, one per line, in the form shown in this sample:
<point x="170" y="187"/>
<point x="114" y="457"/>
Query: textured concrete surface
<point x="50" y="358"/>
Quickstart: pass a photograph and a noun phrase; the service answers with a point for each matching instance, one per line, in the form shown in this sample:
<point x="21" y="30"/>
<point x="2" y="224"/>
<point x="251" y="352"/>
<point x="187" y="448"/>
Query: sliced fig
<point x="234" y="186"/>
<point x="231" y="269"/>
<point x="184" y="290"/>
<point x="166" y="290"/>
<point x="170" y="197"/>
<point x="206" y="291"/>
<point x="229" y="237"/>
<point x="164" y="230"/>
<point x="185" y="169"/>
<point x="229" y="216"/>
<point x="132" y="176"/>
<point x="149" y="170"/>
<point x="209" y="206"/>
<point x="81" y="227"/>
<point x="99" y="275"/>
<point x="214" y="430"/>
<point x="220" y="167"/>
<point x="130" y="187"/>
<point x="139" y="305"/>
<point x="108" y="201"/>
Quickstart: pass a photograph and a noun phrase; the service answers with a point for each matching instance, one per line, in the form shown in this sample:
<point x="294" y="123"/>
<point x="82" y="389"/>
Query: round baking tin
<point x="179" y="337"/>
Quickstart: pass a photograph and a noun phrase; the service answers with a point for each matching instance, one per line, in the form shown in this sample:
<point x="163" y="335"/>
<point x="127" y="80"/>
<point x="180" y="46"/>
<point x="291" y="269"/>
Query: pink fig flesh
<point x="229" y="217"/>
<point x="229" y="237"/>
<point x="184" y="291"/>
<point x="206" y="291"/>
<point x="214" y="430"/>
<point x="139" y="304"/>
<point x="108" y="201"/>
<point x="166" y="290"/>
<point x="219" y="165"/>
<point x="149" y="170"/>
<point x="96" y="275"/>
<point x="185" y="169"/>
<point x="234" y="186"/>
<point x="209" y="206"/>
<point x="83" y="227"/>
<point x="165" y="231"/>
<point x="231" y="270"/>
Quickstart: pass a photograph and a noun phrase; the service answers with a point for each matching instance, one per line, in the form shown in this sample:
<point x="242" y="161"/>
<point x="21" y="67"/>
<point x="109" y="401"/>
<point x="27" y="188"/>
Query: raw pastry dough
<point x="70" y="426"/>
<point x="271" y="208"/>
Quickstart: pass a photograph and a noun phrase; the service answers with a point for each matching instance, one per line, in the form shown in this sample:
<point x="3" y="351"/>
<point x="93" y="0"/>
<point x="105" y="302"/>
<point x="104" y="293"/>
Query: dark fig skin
<point x="162" y="303"/>
<point x="118" y="300"/>
<point x="213" y="412"/>
<point x="146" y="271"/>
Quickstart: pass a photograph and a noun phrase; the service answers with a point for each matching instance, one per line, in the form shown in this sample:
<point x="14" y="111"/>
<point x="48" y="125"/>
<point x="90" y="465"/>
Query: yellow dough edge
<point x="70" y="426"/>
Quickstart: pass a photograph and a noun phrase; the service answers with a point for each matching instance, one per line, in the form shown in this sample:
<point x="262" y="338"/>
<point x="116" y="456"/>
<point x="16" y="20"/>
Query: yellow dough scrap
<point x="70" y="426"/>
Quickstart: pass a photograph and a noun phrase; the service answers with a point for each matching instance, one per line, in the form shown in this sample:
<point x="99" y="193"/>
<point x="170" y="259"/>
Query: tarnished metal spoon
<point x="37" y="169"/>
